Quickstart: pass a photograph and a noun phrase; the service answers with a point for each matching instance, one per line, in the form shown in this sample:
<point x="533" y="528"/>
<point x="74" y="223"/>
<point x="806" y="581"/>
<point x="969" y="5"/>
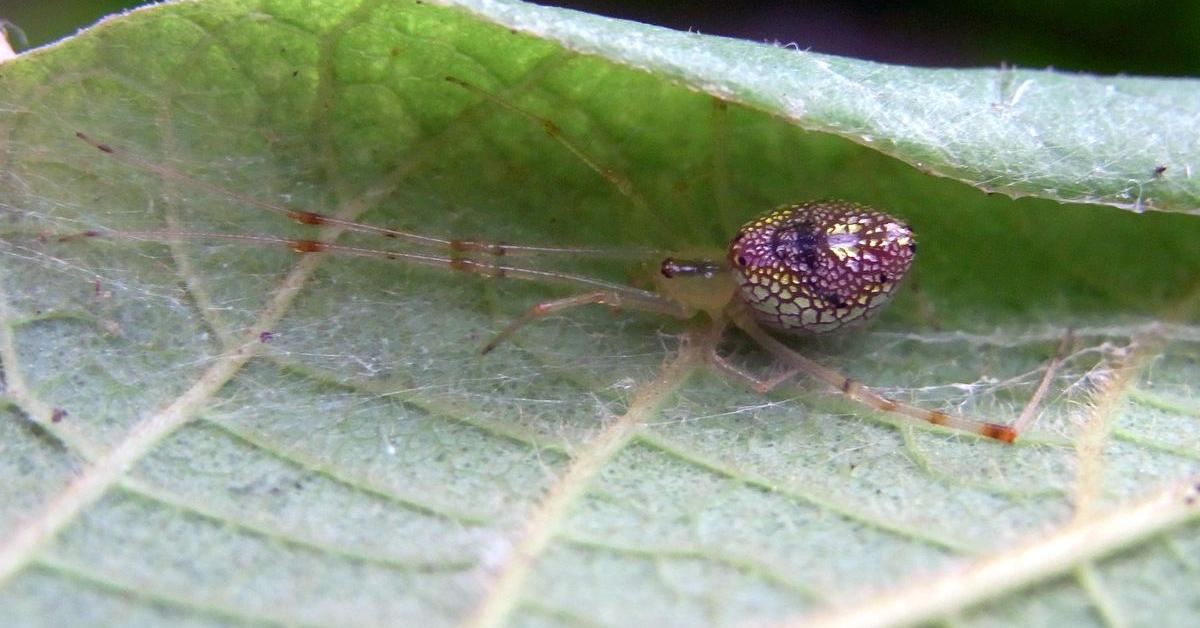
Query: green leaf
<point x="205" y="431"/>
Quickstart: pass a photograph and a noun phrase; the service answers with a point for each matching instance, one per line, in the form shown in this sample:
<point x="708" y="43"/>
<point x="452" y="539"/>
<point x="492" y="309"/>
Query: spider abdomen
<point x="817" y="267"/>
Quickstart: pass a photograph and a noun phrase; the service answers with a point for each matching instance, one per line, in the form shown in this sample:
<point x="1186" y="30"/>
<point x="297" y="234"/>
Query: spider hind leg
<point x="854" y="390"/>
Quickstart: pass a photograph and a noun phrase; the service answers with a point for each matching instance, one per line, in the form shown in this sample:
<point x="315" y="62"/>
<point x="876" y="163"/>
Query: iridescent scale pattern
<point x="817" y="267"/>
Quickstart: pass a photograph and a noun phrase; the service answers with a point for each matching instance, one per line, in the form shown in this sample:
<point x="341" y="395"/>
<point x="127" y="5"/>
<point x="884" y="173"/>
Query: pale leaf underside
<point x="209" y="433"/>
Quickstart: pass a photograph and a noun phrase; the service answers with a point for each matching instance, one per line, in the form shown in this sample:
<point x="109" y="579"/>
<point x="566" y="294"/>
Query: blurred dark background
<point x="1117" y="36"/>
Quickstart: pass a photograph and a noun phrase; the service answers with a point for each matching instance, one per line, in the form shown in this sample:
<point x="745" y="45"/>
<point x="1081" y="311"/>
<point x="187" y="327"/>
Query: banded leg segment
<point x="628" y="295"/>
<point x="867" y="397"/>
<point x="461" y="255"/>
<point x="603" y="292"/>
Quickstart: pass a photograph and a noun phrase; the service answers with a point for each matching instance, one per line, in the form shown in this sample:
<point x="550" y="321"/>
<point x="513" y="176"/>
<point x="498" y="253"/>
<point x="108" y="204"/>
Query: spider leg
<point x="616" y="294"/>
<point x="760" y="385"/>
<point x="449" y="246"/>
<point x="1029" y="413"/>
<point x="623" y="185"/>
<point x="865" y="396"/>
<point x="610" y="298"/>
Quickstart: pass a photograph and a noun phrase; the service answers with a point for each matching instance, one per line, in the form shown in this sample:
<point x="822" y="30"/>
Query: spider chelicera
<point x="806" y="269"/>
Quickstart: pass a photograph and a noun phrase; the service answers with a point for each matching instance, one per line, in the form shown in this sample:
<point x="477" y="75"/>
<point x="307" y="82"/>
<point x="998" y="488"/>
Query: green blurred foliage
<point x="44" y="21"/>
<point x="1122" y="36"/>
<point x="1125" y="36"/>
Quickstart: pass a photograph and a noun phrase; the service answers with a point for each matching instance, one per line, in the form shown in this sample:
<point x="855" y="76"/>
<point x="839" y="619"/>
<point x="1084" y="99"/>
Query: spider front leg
<point x="858" y="392"/>
<point x="632" y="298"/>
<point x="760" y="385"/>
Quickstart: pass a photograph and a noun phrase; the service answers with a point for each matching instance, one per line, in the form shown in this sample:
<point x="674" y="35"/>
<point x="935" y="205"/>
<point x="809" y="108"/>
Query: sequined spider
<point x="807" y="269"/>
<point x="813" y="268"/>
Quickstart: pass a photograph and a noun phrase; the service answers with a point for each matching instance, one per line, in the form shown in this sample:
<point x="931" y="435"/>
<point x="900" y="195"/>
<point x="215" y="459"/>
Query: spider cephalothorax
<point x="819" y="266"/>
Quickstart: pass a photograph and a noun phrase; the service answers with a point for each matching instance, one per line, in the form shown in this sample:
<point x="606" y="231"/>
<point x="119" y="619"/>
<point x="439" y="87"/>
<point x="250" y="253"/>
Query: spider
<point x="807" y="269"/>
